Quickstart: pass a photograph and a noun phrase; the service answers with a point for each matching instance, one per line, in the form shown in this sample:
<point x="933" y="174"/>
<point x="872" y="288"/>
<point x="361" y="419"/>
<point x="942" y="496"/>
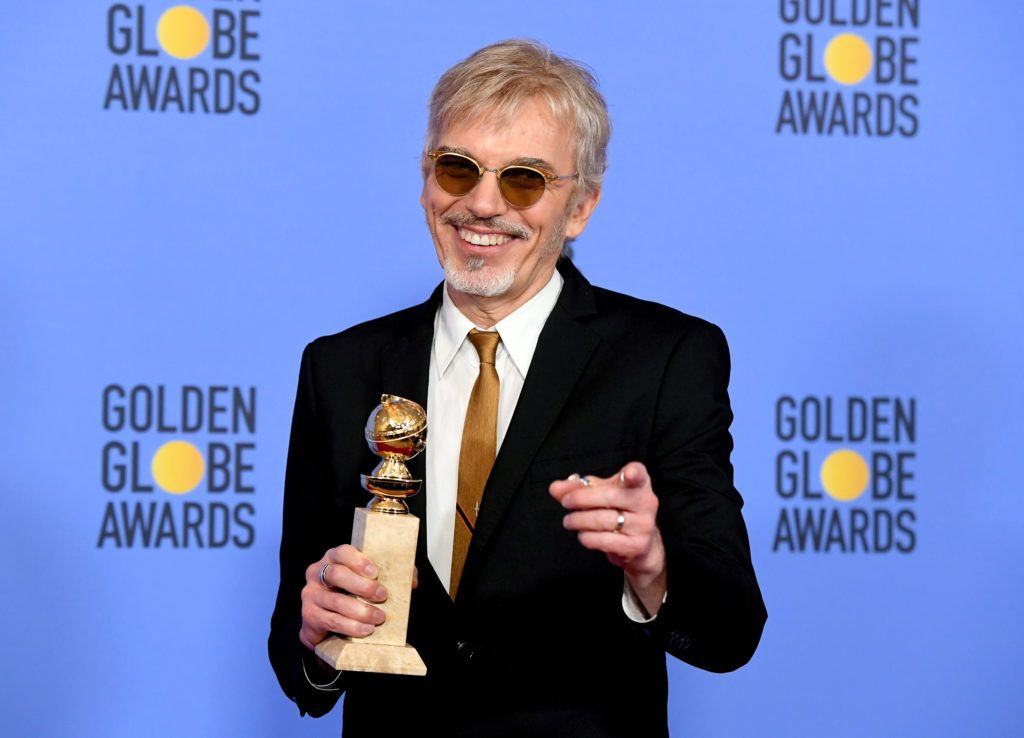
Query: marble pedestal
<point x="390" y="542"/>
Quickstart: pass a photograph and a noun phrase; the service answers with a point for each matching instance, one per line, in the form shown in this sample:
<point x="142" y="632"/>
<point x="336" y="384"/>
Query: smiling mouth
<point x="484" y="239"/>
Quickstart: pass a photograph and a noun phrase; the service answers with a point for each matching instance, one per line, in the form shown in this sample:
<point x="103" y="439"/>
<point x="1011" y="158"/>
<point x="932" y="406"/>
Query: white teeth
<point x="481" y="239"/>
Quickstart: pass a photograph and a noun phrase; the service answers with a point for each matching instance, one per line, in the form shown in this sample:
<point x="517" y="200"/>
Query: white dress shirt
<point x="454" y="366"/>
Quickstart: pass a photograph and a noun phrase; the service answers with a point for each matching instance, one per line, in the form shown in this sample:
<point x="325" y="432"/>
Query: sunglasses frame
<point x="549" y="177"/>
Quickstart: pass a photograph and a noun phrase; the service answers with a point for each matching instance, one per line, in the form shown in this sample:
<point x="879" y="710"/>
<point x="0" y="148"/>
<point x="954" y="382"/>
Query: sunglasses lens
<point x="522" y="187"/>
<point x="455" y="174"/>
<point x="458" y="175"/>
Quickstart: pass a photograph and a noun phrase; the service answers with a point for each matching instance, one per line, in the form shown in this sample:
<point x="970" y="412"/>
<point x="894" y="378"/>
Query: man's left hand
<point x="617" y="515"/>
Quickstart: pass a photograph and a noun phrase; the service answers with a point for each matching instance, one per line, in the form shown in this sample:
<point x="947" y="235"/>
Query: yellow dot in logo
<point x="848" y="58"/>
<point x="177" y="467"/>
<point x="844" y="475"/>
<point x="183" y="32"/>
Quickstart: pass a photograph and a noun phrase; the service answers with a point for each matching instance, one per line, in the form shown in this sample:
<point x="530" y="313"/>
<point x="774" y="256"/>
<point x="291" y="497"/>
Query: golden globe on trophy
<point x="386" y="532"/>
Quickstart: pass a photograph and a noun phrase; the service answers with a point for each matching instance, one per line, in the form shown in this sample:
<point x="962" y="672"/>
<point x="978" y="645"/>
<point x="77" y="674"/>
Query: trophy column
<point x="387" y="533"/>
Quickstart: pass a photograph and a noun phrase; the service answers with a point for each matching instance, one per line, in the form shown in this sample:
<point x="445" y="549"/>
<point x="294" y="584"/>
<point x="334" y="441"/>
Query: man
<point x="579" y="518"/>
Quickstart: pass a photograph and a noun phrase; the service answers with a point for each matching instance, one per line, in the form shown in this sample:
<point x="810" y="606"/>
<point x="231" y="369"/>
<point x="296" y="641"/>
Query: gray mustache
<point x="496" y="223"/>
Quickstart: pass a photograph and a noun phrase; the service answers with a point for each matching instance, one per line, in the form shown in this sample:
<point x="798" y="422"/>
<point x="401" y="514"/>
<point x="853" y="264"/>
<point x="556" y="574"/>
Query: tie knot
<point x="486" y="344"/>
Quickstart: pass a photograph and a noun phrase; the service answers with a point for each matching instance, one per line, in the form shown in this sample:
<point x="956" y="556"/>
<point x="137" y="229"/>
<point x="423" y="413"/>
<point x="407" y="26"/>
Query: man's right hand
<point x="337" y="610"/>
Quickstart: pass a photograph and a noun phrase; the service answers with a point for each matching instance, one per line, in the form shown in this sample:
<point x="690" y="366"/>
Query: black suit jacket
<point x="537" y="642"/>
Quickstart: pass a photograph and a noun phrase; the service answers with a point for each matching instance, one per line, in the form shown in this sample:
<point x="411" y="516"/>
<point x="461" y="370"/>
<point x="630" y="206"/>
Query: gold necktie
<point x="479" y="444"/>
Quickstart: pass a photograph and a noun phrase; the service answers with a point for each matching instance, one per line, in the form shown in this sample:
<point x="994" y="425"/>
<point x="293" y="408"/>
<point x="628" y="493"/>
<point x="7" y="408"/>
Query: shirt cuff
<point x="632" y="606"/>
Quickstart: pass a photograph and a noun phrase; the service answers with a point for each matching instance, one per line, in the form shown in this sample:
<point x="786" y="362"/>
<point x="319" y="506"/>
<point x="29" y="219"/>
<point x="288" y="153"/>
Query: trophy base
<point x="349" y="655"/>
<point x="390" y="542"/>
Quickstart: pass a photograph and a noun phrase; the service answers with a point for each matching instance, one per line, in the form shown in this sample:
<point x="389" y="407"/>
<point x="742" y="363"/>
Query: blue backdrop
<point x="837" y="184"/>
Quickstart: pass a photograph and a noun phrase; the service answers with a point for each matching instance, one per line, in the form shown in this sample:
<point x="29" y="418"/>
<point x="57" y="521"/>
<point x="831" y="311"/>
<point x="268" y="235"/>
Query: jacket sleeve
<point x="714" y="614"/>
<point x="305" y="536"/>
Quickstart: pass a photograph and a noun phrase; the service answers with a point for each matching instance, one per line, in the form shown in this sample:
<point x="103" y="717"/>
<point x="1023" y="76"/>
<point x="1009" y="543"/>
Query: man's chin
<point x="478" y="279"/>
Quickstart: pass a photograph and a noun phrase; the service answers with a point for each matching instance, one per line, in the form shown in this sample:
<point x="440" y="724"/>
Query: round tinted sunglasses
<point x="520" y="186"/>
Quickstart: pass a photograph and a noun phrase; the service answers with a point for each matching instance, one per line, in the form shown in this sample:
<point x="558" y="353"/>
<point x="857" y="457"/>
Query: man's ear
<point x="580" y="216"/>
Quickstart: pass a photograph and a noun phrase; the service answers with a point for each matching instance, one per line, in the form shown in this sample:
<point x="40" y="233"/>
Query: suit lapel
<point x="405" y="371"/>
<point x="563" y="350"/>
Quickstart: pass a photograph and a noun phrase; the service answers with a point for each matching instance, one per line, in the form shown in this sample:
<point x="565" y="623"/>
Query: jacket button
<point x="464" y="651"/>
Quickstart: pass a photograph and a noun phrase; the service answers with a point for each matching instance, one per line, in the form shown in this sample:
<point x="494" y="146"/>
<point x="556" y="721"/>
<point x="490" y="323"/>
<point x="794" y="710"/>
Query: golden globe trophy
<point x="386" y="532"/>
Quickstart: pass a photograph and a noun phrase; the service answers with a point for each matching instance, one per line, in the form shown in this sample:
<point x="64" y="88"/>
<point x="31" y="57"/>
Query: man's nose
<point x="485" y="200"/>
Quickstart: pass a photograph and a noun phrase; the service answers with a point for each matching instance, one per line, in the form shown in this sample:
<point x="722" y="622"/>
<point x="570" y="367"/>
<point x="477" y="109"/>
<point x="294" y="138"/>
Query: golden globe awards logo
<point x="850" y="67"/>
<point x="220" y="46"/>
<point x="845" y="474"/>
<point x="177" y="467"/>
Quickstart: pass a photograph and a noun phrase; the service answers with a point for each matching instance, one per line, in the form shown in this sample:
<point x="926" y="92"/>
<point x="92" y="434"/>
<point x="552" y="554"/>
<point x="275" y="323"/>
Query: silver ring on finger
<point x="585" y="481"/>
<point x="620" y="521"/>
<point x="323" y="576"/>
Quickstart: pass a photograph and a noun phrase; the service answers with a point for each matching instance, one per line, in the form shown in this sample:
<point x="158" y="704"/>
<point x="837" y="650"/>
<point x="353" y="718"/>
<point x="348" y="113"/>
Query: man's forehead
<point x="529" y="134"/>
<point x="500" y="114"/>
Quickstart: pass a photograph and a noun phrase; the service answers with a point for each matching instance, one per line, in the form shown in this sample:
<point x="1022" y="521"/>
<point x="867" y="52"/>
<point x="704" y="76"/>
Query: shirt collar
<point x="520" y="330"/>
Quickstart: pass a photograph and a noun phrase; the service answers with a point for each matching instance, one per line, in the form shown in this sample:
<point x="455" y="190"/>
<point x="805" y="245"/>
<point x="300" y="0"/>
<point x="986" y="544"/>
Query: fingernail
<point x="574" y="477"/>
<point x="365" y="628"/>
<point x="371" y="571"/>
<point x="380" y="594"/>
<point x="379" y="617"/>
